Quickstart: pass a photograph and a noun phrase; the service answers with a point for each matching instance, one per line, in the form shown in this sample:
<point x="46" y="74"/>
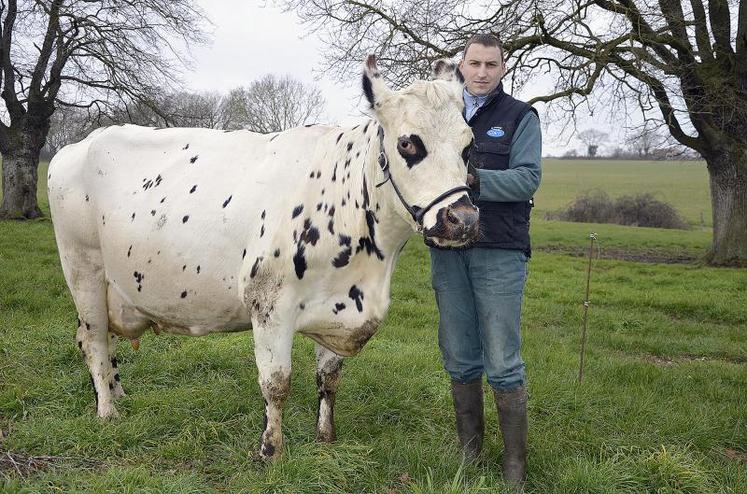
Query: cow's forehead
<point x="432" y="107"/>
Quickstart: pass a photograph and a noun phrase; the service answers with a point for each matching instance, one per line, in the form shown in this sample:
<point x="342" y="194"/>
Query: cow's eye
<point x="405" y="146"/>
<point x="412" y="149"/>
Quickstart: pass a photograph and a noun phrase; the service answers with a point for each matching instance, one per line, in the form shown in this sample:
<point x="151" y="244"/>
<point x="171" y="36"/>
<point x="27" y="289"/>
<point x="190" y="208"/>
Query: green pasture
<point x="661" y="409"/>
<point x="684" y="184"/>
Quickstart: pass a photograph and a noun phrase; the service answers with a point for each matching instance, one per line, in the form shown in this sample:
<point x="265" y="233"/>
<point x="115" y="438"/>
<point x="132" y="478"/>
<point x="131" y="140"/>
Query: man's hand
<point x="473" y="179"/>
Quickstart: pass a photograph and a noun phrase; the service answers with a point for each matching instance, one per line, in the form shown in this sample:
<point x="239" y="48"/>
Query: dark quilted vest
<point x="503" y="225"/>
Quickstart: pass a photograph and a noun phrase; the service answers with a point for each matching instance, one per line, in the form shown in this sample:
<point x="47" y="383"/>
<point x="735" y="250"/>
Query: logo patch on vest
<point x="496" y="132"/>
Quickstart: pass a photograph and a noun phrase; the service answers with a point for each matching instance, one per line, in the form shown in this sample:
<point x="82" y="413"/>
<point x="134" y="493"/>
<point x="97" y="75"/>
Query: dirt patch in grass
<point x="681" y="359"/>
<point x="649" y="256"/>
<point x="733" y="454"/>
<point x="24" y="465"/>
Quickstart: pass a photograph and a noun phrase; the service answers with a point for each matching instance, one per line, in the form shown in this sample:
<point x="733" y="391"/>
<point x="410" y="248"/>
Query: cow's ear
<point x="445" y="69"/>
<point x="374" y="86"/>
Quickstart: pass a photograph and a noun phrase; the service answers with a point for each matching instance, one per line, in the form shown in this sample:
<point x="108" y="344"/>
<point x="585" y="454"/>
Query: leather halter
<point x="416" y="212"/>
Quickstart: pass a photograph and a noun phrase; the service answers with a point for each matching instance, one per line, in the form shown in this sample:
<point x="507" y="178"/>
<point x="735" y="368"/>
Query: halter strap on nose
<point x="416" y="212"/>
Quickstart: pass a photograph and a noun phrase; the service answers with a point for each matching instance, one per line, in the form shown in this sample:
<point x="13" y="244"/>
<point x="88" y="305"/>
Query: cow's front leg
<point x="117" y="391"/>
<point x="328" y="371"/>
<point x="272" y="349"/>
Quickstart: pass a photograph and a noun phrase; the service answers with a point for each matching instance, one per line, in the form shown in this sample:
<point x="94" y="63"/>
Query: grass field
<point x="662" y="408"/>
<point x="682" y="184"/>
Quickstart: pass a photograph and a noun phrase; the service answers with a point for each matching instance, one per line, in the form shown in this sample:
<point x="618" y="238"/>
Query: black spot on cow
<point x="185" y="147"/>
<point x="338" y="307"/>
<point x="356" y="295"/>
<point x="262" y="231"/>
<point x="357" y="206"/>
<point x="198" y="269"/>
<point x="369" y="243"/>
<point x="338" y="138"/>
<point x="264" y="212"/>
<point x="132" y="218"/>
<point x="302" y="306"/>
<point x="318" y="173"/>
<point x="88" y="327"/>
<point x="331" y="226"/>
<point x="138" y="276"/>
<point x="366" y="199"/>
<point x="185" y="218"/>
<point x="111" y="386"/>
<point x="355" y="127"/>
<point x="334" y="173"/>
<point x="225" y="203"/>
<point x="255" y="267"/>
<point x="243" y="254"/>
<point x="322" y="191"/>
<point x="311" y="175"/>
<point x="276" y="253"/>
<point x="152" y="212"/>
<point x="365" y="129"/>
<point x="310" y="233"/>
<point x="163" y="199"/>
<point x="331" y="211"/>
<point x="103" y="219"/>
<point x="184" y="294"/>
<point x="343" y="257"/>
<point x="299" y="260"/>
<point x="343" y="202"/>
<point x="86" y="197"/>
<point x="129" y="251"/>
<point x="274" y="137"/>
<point x="158" y="180"/>
<point x="412" y="149"/>
<point x="184" y="267"/>
<point x="80" y="345"/>
<point x="347" y="163"/>
<point x="319" y="206"/>
<point x="297" y="210"/>
<point x="116" y="377"/>
<point x="193" y="158"/>
<point x="350" y="146"/>
<point x="194" y="188"/>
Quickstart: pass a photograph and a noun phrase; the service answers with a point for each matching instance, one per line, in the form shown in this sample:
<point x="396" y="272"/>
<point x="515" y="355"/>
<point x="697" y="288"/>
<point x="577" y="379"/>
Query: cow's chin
<point x="450" y="243"/>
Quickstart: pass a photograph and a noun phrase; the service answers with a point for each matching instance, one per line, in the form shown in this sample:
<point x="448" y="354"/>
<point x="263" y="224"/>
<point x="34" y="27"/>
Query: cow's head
<point x="425" y="141"/>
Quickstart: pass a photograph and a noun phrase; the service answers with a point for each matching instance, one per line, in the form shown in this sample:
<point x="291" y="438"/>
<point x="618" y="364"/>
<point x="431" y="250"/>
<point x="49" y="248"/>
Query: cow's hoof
<point x="269" y="452"/>
<point x="325" y="436"/>
<point x="108" y="412"/>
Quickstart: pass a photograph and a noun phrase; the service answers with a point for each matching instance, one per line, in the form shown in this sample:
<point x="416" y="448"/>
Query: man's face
<point x="482" y="68"/>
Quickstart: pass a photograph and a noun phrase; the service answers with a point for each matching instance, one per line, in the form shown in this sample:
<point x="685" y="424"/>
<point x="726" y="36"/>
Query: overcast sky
<point x="249" y="40"/>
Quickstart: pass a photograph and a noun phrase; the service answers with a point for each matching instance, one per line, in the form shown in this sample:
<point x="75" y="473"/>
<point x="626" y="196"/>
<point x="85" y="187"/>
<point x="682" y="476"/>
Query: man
<point x="479" y="290"/>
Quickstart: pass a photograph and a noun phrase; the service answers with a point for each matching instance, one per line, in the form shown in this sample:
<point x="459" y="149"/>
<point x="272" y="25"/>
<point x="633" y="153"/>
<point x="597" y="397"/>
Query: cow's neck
<point x="380" y="228"/>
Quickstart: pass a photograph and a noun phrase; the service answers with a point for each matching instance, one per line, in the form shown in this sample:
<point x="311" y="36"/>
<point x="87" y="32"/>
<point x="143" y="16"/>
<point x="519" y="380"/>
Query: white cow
<point x="194" y="231"/>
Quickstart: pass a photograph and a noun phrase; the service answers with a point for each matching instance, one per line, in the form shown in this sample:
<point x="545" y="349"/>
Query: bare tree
<point x="592" y="138"/>
<point x="644" y="140"/>
<point x="80" y="53"/>
<point x="67" y="125"/>
<point x="684" y="63"/>
<point x="276" y="103"/>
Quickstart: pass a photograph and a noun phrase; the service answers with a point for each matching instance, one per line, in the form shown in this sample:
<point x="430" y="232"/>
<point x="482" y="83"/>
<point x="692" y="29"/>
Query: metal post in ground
<point x="587" y="303"/>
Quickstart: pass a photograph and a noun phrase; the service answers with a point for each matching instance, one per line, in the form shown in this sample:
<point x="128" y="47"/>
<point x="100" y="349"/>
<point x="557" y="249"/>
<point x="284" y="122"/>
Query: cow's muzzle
<point x="457" y="225"/>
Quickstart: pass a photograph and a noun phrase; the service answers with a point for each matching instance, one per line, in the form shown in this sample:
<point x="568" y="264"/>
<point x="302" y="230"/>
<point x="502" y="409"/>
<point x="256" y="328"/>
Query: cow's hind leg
<point x="93" y="337"/>
<point x="272" y="350"/>
<point x="328" y="371"/>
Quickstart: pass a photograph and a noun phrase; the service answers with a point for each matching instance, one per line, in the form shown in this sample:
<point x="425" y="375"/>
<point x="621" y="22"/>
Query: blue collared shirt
<point x="472" y="103"/>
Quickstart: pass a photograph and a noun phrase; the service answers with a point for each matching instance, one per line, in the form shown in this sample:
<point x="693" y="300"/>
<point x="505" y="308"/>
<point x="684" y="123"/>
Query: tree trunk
<point x="728" y="177"/>
<point x="20" y="166"/>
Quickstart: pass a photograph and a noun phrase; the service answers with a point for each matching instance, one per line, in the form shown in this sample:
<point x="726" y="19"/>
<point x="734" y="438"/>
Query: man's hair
<point x="484" y="39"/>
